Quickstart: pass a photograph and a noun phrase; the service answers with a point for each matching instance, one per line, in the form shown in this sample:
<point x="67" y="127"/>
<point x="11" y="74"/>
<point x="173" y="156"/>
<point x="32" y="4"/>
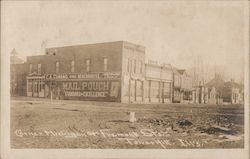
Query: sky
<point x="180" y="33"/>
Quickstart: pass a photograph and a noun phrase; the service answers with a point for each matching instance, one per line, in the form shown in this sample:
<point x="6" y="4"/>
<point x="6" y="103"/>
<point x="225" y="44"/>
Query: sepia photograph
<point x="143" y="76"/>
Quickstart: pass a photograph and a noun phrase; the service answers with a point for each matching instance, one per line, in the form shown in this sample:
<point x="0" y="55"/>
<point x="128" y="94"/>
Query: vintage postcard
<point x="125" y="79"/>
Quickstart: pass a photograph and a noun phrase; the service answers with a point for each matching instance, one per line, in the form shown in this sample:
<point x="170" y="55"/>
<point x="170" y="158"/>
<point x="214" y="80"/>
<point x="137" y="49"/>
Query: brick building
<point x="112" y="71"/>
<point x="85" y="72"/>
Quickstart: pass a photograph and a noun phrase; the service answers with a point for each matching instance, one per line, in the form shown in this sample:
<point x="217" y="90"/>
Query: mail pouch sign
<point x="96" y="86"/>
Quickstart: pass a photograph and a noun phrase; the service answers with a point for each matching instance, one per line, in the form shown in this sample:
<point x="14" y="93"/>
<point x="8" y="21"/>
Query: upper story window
<point x="105" y="62"/>
<point x="57" y="67"/>
<point x="30" y="68"/>
<point x="88" y="65"/>
<point x="39" y="68"/>
<point x="134" y="66"/>
<point x="128" y="65"/>
<point x="140" y="67"/>
<point x="72" y="66"/>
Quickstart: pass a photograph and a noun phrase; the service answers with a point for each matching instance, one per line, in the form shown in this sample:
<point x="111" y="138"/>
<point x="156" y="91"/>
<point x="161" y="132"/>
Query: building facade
<point x="113" y="72"/>
<point x="158" y="83"/>
<point x="186" y="87"/>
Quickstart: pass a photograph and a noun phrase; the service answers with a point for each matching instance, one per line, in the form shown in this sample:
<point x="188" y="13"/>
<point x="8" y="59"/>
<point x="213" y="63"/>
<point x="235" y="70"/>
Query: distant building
<point x="227" y="92"/>
<point x="176" y="86"/>
<point x="16" y="73"/>
<point x="186" y="87"/>
<point x="232" y="93"/>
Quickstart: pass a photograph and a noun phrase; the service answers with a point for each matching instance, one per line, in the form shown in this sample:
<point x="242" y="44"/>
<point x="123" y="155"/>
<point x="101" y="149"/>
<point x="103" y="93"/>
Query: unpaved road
<point x="38" y="123"/>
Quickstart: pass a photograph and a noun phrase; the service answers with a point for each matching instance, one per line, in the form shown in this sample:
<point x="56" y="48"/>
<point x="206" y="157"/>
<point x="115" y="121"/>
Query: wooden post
<point x="132" y="117"/>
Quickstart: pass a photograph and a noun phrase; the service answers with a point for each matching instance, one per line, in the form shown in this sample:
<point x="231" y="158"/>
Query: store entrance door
<point x="35" y="86"/>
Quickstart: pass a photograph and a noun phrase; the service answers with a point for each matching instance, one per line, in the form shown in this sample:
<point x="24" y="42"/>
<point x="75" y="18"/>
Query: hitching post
<point x="132" y="117"/>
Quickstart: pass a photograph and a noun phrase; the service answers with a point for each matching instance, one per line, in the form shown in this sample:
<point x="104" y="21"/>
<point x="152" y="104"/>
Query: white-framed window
<point x="39" y="68"/>
<point x="88" y="65"/>
<point x="105" y="62"/>
<point x="30" y="68"/>
<point x="72" y="66"/>
<point x="140" y="67"/>
<point x="57" y="67"/>
<point x="134" y="68"/>
<point x="128" y="65"/>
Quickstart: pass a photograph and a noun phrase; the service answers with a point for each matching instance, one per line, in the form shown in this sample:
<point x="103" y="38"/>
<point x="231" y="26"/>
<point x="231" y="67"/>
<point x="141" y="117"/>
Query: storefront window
<point x="155" y="89"/>
<point x="29" y="85"/>
<point x="166" y="90"/>
<point x="139" y="88"/>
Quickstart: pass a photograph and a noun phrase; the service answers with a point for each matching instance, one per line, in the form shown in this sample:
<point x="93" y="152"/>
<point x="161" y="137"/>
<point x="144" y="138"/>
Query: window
<point x="134" y="66"/>
<point x="129" y="65"/>
<point x="39" y="68"/>
<point x="88" y="65"/>
<point x="29" y="85"/>
<point x="57" y="67"/>
<point x="72" y="66"/>
<point x="105" y="62"/>
<point x="155" y="89"/>
<point x="140" y="67"/>
<point x="30" y="68"/>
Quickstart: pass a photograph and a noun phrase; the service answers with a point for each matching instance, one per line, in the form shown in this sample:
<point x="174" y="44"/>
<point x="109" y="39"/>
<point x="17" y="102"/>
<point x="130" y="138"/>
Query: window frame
<point x="39" y="68"/>
<point x="105" y="63"/>
<point x="72" y="66"/>
<point x="57" y="66"/>
<point x="88" y="63"/>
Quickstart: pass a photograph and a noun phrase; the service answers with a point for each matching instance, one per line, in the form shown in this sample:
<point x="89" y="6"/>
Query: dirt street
<point x="38" y="123"/>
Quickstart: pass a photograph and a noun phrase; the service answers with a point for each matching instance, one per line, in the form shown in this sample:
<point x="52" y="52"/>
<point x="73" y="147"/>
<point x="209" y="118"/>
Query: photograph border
<point x="7" y="152"/>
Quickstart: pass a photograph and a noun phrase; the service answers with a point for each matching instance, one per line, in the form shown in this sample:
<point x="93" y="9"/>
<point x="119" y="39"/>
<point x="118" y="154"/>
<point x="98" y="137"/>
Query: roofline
<point x="86" y="44"/>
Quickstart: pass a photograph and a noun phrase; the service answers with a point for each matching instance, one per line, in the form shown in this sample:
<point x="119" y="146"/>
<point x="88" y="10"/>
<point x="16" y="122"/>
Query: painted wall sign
<point x="106" y="90"/>
<point x="102" y="75"/>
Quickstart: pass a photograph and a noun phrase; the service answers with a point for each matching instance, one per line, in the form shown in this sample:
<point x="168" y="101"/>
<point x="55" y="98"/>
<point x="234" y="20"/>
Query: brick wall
<point x="79" y="54"/>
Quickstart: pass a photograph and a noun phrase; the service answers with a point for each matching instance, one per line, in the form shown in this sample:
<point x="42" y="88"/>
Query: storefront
<point x="157" y="91"/>
<point x="176" y="95"/>
<point x="35" y="86"/>
<point x="186" y="95"/>
<point x="76" y="86"/>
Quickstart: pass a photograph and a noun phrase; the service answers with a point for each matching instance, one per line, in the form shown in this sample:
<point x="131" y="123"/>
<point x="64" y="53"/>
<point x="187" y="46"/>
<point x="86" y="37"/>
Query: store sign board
<point x="65" y="76"/>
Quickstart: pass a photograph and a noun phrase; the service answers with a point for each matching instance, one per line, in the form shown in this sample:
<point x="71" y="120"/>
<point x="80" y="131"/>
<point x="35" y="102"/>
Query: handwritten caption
<point x="143" y="137"/>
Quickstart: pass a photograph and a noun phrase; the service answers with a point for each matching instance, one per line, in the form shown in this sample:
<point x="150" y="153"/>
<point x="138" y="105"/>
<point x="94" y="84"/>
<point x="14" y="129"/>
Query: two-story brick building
<point x="101" y="72"/>
<point x="111" y="71"/>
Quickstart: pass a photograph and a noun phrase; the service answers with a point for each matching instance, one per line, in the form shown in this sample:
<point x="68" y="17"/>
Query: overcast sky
<point x="175" y="33"/>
